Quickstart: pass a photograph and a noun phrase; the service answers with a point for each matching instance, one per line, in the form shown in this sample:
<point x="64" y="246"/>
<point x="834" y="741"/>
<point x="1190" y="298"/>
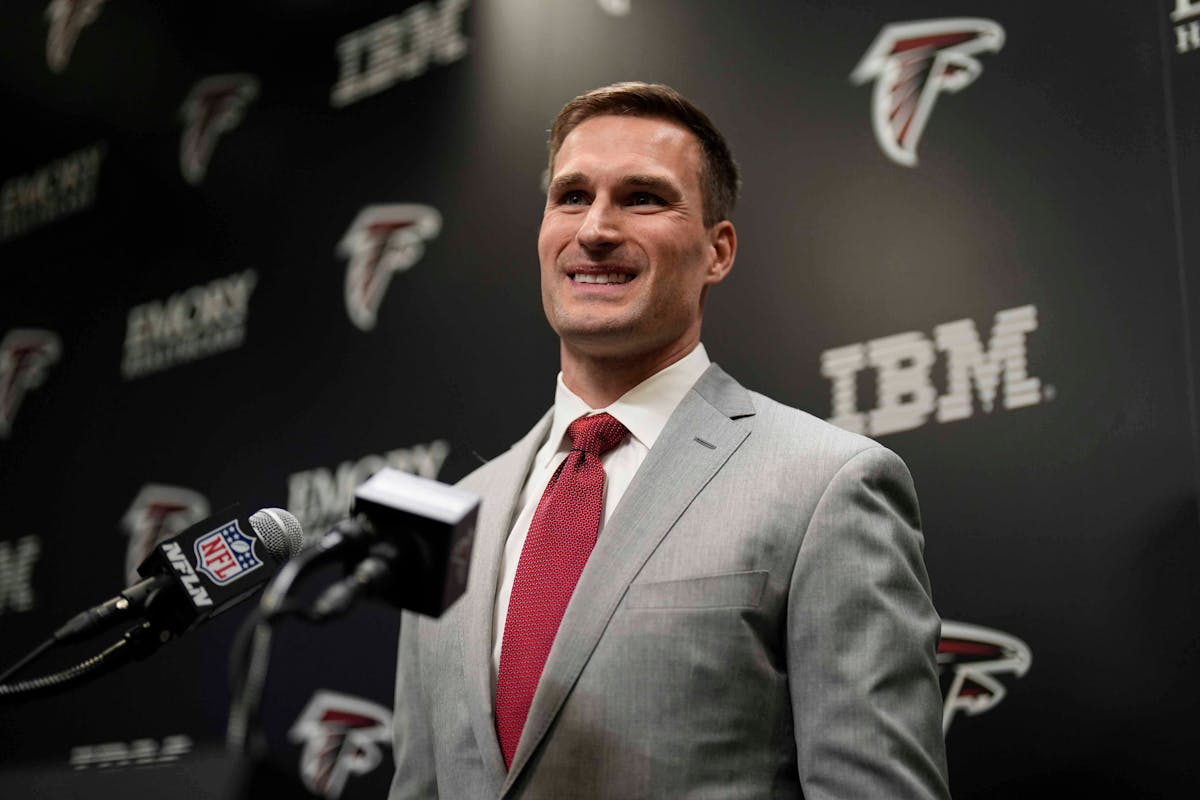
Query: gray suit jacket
<point x="755" y="621"/>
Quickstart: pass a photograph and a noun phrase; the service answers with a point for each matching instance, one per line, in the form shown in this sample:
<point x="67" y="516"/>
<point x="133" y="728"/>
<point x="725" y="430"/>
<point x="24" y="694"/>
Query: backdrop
<point x="254" y="251"/>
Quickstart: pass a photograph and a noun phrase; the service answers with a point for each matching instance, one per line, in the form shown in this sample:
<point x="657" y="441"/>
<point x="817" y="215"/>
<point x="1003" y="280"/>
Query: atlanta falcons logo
<point x="67" y="19"/>
<point x="382" y="240"/>
<point x="215" y="105"/>
<point x="969" y="657"/>
<point x="911" y="64"/>
<point x="25" y="356"/>
<point x="156" y="514"/>
<point x="341" y="736"/>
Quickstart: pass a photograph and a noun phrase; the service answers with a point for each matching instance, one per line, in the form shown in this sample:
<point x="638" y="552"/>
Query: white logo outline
<point x="910" y="72"/>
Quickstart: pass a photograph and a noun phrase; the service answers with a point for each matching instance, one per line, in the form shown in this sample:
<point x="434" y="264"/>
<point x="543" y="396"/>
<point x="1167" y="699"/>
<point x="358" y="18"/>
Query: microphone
<point x="410" y="546"/>
<point x="408" y="540"/>
<point x="198" y="574"/>
<point x="188" y="579"/>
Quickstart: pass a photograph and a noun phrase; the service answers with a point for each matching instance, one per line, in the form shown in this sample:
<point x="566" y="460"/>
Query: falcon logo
<point x="969" y="657"/>
<point x="156" y="514"/>
<point x="215" y="105"/>
<point x="381" y="241"/>
<point x="67" y="19"/>
<point x="25" y="355"/>
<point x="911" y="64"/>
<point x="341" y="735"/>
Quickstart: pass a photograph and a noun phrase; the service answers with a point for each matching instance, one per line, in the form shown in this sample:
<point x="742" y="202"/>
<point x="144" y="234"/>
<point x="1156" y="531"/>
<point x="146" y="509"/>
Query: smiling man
<point x="679" y="588"/>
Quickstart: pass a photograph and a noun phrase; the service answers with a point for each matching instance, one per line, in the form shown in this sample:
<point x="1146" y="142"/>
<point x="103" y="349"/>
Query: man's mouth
<point x="601" y="278"/>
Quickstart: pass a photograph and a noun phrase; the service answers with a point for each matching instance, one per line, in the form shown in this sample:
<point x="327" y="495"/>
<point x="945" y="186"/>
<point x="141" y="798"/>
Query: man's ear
<point x="723" y="238"/>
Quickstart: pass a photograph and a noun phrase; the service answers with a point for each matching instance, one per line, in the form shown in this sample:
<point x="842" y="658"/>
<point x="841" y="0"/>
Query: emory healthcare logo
<point x="156" y="514"/>
<point x="191" y="324"/>
<point x="67" y="19"/>
<point x="341" y="735"/>
<point x="969" y="659"/>
<point x="214" y="106"/>
<point x="911" y="64"/>
<point x="136" y="753"/>
<point x="56" y="190"/>
<point x="25" y="356"/>
<point x="320" y="497"/>
<point x="382" y="240"/>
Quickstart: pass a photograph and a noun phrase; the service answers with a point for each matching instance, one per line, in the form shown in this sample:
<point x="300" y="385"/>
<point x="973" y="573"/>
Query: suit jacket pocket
<point x="729" y="590"/>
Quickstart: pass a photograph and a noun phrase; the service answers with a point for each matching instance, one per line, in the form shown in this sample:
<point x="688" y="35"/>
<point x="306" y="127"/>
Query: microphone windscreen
<point x="279" y="531"/>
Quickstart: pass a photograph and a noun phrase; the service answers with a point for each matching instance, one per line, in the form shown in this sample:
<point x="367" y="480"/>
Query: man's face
<point x="624" y="253"/>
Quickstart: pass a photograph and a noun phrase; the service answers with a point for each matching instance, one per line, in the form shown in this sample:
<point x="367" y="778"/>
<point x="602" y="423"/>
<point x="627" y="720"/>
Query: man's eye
<point x="645" y="199"/>
<point x="573" y="198"/>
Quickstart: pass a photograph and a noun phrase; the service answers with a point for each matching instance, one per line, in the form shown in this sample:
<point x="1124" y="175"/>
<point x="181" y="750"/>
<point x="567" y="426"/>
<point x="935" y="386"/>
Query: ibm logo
<point x="903" y="364"/>
<point x="398" y="48"/>
<point x="1187" y="32"/>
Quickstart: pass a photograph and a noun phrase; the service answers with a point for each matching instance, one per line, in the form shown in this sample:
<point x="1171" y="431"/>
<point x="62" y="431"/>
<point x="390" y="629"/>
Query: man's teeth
<point x="612" y="277"/>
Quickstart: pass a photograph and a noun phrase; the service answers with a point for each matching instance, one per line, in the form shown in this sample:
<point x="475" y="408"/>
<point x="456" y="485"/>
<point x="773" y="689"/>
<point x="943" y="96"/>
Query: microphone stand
<point x="252" y="649"/>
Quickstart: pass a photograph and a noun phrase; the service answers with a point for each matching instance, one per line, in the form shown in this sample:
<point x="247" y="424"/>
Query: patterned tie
<point x="561" y="537"/>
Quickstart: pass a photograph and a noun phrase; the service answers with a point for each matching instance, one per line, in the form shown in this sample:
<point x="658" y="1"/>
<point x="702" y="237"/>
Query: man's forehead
<point x="625" y="141"/>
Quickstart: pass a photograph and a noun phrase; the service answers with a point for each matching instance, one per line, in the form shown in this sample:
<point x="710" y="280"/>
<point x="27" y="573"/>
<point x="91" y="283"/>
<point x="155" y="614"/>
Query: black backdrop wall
<point x="254" y="251"/>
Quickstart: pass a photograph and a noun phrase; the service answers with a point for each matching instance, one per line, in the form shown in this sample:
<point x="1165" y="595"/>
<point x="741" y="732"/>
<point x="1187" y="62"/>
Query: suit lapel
<point x="698" y="439"/>
<point x="495" y="520"/>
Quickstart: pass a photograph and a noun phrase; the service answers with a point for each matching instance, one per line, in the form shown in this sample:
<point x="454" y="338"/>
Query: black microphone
<point x="201" y="572"/>
<point x="408" y="540"/>
<point x="410" y="546"/>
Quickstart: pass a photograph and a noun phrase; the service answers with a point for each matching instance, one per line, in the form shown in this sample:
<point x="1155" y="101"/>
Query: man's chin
<point x="612" y="343"/>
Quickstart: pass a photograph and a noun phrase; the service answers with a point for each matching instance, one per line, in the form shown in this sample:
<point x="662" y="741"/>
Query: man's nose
<point x="600" y="229"/>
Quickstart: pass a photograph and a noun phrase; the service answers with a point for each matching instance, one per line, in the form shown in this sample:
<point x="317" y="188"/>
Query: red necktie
<point x="561" y="537"/>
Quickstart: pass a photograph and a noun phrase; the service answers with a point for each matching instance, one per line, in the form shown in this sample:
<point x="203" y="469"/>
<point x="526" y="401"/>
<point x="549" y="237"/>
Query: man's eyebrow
<point x="653" y="182"/>
<point x="659" y="184"/>
<point x="569" y="179"/>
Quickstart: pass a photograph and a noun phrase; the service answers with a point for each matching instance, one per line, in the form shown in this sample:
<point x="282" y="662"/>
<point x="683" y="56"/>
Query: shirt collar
<point x="644" y="409"/>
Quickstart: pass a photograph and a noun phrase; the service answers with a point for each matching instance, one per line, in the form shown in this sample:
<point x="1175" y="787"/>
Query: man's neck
<point x="602" y="380"/>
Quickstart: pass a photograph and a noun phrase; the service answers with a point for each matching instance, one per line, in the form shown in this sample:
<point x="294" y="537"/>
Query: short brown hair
<point x="719" y="179"/>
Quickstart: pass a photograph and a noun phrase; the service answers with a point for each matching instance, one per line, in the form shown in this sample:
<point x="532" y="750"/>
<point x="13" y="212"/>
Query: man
<point x="698" y="592"/>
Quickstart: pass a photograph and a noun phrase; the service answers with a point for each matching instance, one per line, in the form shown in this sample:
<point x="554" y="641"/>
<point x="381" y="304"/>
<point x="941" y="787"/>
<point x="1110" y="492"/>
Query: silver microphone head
<point x="280" y="532"/>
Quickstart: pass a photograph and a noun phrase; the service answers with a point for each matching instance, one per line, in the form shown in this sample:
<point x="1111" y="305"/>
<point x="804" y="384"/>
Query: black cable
<point x="29" y="657"/>
<point x="97" y="618"/>
<point x="136" y="642"/>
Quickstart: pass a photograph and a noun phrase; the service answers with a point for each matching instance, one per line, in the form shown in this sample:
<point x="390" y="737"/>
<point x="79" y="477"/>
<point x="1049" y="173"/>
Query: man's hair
<point x="719" y="179"/>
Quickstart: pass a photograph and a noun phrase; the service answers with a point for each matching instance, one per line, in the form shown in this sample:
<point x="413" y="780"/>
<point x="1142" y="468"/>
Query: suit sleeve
<point x="412" y="737"/>
<point x="862" y="637"/>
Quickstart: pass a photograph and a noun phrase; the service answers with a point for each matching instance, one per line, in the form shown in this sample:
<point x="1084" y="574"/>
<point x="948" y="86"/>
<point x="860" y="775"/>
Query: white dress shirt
<point x="643" y="410"/>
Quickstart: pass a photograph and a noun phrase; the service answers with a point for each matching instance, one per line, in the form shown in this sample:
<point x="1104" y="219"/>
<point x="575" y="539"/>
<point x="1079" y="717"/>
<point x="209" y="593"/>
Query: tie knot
<point x="596" y="434"/>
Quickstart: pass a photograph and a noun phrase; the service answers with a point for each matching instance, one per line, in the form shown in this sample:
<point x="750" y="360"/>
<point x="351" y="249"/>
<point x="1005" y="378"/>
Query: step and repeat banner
<point x="256" y="251"/>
